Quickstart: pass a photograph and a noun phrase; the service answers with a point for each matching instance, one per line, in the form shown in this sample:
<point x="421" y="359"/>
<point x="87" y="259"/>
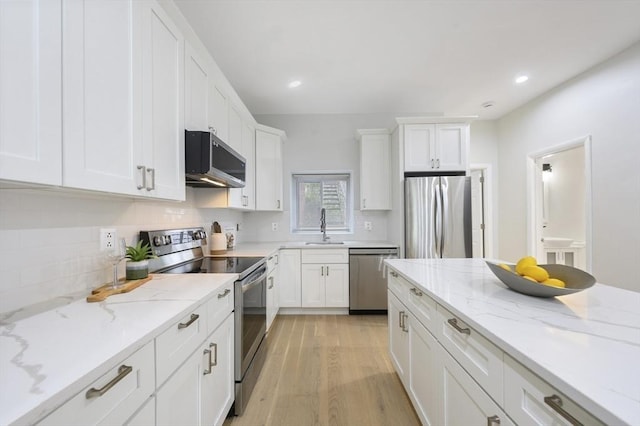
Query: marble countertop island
<point x="47" y="358"/>
<point x="587" y="344"/>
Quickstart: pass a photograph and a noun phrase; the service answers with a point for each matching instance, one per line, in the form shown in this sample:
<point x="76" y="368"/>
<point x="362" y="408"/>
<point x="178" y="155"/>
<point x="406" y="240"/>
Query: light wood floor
<point x="328" y="370"/>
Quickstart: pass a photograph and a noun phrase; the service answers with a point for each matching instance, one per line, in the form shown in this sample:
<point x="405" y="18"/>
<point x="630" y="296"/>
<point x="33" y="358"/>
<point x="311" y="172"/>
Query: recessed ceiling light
<point x="294" y="84"/>
<point x="521" y="79"/>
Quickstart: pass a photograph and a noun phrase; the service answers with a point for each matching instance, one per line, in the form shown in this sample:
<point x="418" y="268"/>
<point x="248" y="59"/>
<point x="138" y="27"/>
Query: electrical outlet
<point x="368" y="226"/>
<point x="107" y="238"/>
<point x="274" y="226"/>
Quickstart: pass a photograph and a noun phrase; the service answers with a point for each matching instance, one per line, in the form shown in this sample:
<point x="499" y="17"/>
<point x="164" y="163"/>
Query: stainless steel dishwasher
<point x="368" y="279"/>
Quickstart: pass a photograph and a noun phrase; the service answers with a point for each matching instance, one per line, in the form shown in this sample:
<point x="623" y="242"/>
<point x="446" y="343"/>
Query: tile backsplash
<point x="49" y="238"/>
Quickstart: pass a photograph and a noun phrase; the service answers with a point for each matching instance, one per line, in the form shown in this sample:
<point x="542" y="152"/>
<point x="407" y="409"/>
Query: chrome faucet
<point x="323" y="224"/>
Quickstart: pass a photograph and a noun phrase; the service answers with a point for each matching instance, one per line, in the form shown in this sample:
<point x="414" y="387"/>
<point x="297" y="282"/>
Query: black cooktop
<point x="217" y="265"/>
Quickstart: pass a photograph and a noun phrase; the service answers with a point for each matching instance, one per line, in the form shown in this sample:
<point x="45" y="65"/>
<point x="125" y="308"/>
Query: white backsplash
<point x="49" y="238"/>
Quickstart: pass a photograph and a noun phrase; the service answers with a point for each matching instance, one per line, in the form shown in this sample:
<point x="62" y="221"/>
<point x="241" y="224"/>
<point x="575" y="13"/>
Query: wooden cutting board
<point x="101" y="293"/>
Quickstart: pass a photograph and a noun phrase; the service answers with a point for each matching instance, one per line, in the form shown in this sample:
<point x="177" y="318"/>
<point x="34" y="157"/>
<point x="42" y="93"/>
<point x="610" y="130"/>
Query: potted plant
<point x="138" y="261"/>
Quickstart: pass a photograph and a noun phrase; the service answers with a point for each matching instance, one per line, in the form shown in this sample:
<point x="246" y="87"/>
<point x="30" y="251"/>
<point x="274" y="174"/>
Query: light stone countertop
<point x="47" y="358"/>
<point x="259" y="249"/>
<point x="587" y="344"/>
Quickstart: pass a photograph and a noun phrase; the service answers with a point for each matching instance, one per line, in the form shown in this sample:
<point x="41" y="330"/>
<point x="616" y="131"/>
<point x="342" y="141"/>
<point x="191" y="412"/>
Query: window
<point x="312" y="192"/>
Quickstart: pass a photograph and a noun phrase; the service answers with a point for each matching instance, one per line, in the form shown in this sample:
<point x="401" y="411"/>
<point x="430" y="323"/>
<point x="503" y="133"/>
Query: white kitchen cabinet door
<point x="451" y="147"/>
<point x="375" y="170"/>
<point x="218" y="384"/>
<point x="196" y="84"/>
<point x="419" y="141"/>
<point x="423" y="372"/>
<point x="31" y="91"/>
<point x="463" y="400"/>
<point x="218" y="111"/>
<point x="102" y="103"/>
<point x="163" y="104"/>
<point x="398" y="337"/>
<point x="178" y="400"/>
<point x="235" y="131"/>
<point x="244" y="198"/>
<point x="289" y="284"/>
<point x="269" y="185"/>
<point x="336" y="285"/>
<point x="313" y="286"/>
<point x="146" y="416"/>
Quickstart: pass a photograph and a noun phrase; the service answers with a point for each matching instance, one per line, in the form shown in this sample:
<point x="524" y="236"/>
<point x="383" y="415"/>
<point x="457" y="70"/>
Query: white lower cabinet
<point x="398" y="337"/>
<point x="112" y="398"/>
<point x="273" y="300"/>
<point x="423" y="372"/>
<point x="529" y="400"/>
<point x="289" y="278"/>
<point x="325" y="286"/>
<point x="200" y="392"/>
<point x="145" y="416"/>
<point x="464" y="402"/>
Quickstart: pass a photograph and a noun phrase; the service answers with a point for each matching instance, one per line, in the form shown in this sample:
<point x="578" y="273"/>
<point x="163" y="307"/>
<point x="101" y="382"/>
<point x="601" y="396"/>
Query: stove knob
<point x="157" y="240"/>
<point x="168" y="239"/>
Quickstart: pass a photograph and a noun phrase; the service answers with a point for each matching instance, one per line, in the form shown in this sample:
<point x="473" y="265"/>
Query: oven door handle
<point x="254" y="283"/>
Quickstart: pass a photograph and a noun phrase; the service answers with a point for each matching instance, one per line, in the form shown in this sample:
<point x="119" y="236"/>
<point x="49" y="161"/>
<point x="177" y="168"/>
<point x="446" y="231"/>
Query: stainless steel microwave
<point x="209" y="162"/>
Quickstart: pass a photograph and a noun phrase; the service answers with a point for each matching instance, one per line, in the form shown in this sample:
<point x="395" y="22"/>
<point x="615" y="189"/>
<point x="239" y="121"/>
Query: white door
<point x="163" y="100"/>
<point x="451" y="147"/>
<point x="31" y="91"/>
<point x="101" y="109"/>
<point x="218" y="385"/>
<point x="268" y="171"/>
<point x="196" y="101"/>
<point x="336" y="285"/>
<point x="313" y="286"/>
<point x="398" y="337"/>
<point x="218" y="112"/>
<point x="419" y="140"/>
<point x="477" y="212"/>
<point x="289" y="278"/>
<point x="178" y="400"/>
<point x="423" y="372"/>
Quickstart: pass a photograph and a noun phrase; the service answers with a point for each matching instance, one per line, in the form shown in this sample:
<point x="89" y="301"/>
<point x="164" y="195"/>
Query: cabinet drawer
<point x="177" y="342"/>
<point x="398" y="286"/>
<point x="219" y="306"/>
<point x="423" y="307"/>
<point x="479" y="357"/>
<point x="112" y="398"/>
<point x="272" y="261"/>
<point x="325" y="256"/>
<point x="524" y="399"/>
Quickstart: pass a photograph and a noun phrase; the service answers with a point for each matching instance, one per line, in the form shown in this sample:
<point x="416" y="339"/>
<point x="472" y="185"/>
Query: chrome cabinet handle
<point x="394" y="274"/>
<point x="271" y="280"/>
<point x="215" y="355"/>
<point x="144" y="177"/>
<point x="493" y="420"/>
<point x="226" y="291"/>
<point x="454" y="323"/>
<point x="437" y="163"/>
<point x="194" y="318"/>
<point x="555" y="402"/>
<point x="277" y="259"/>
<point x="208" y="369"/>
<point x="432" y="164"/>
<point x="278" y="204"/>
<point x="404" y="323"/>
<point x="322" y="271"/>
<point x="153" y="179"/>
<point x="364" y="203"/>
<point x="416" y="292"/>
<point x="123" y="370"/>
<point x="327" y="271"/>
<point x="401" y="319"/>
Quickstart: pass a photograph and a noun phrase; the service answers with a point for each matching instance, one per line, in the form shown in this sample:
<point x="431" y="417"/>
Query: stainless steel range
<point x="180" y="251"/>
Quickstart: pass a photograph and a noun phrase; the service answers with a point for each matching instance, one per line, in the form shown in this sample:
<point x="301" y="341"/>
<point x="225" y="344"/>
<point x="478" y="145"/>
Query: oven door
<point x="250" y="317"/>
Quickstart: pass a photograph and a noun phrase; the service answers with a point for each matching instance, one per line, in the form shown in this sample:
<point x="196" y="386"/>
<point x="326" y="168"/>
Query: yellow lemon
<point x="505" y="267"/>
<point x="536" y="272"/>
<point x="554" y="282"/>
<point x="524" y="262"/>
<point x="530" y="279"/>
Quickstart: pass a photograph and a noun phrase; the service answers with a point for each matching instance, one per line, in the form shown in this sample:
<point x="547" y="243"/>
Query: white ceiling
<point x="406" y="56"/>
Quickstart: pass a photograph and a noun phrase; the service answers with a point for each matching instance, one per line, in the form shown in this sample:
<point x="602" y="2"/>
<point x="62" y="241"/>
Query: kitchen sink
<point x="556" y="242"/>
<point x="324" y="243"/>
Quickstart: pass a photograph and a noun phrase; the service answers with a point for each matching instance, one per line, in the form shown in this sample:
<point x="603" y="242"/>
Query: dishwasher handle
<point x="373" y="251"/>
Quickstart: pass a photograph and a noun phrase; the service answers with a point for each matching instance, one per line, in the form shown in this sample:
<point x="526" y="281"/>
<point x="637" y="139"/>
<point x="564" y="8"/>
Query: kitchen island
<point x="585" y="345"/>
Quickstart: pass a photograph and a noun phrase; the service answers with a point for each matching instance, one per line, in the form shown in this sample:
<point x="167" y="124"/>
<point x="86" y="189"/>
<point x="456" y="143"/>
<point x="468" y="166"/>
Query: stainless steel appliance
<point x="180" y="251"/>
<point x="368" y="279"/>
<point x="437" y="216"/>
<point x="209" y="162"/>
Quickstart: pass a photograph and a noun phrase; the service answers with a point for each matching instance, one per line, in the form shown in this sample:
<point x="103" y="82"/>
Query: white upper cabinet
<point x="218" y="112"/>
<point x="123" y="97"/>
<point x="235" y="131"/>
<point x="163" y="104"/>
<point x="30" y="91"/>
<point x="245" y="198"/>
<point x="102" y="102"/>
<point x="375" y="169"/>
<point x="434" y="147"/>
<point x="196" y="101"/>
<point x="269" y="185"/>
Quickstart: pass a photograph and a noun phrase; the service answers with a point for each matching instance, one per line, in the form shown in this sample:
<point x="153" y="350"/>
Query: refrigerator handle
<point x="442" y="219"/>
<point x="436" y="190"/>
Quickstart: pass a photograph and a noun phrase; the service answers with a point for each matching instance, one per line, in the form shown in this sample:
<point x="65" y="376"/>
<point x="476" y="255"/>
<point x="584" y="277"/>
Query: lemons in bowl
<point x="527" y="277"/>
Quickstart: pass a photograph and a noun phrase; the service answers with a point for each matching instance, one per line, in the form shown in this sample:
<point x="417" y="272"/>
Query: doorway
<point x="559" y="204"/>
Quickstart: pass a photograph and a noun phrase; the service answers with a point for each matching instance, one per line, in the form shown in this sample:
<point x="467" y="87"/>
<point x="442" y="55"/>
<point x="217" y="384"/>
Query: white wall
<point x="49" y="239"/>
<point x="604" y="103"/>
<point x="323" y="142"/>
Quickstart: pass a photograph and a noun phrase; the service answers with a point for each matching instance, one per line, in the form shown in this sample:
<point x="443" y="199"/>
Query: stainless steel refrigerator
<point x="437" y="217"/>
